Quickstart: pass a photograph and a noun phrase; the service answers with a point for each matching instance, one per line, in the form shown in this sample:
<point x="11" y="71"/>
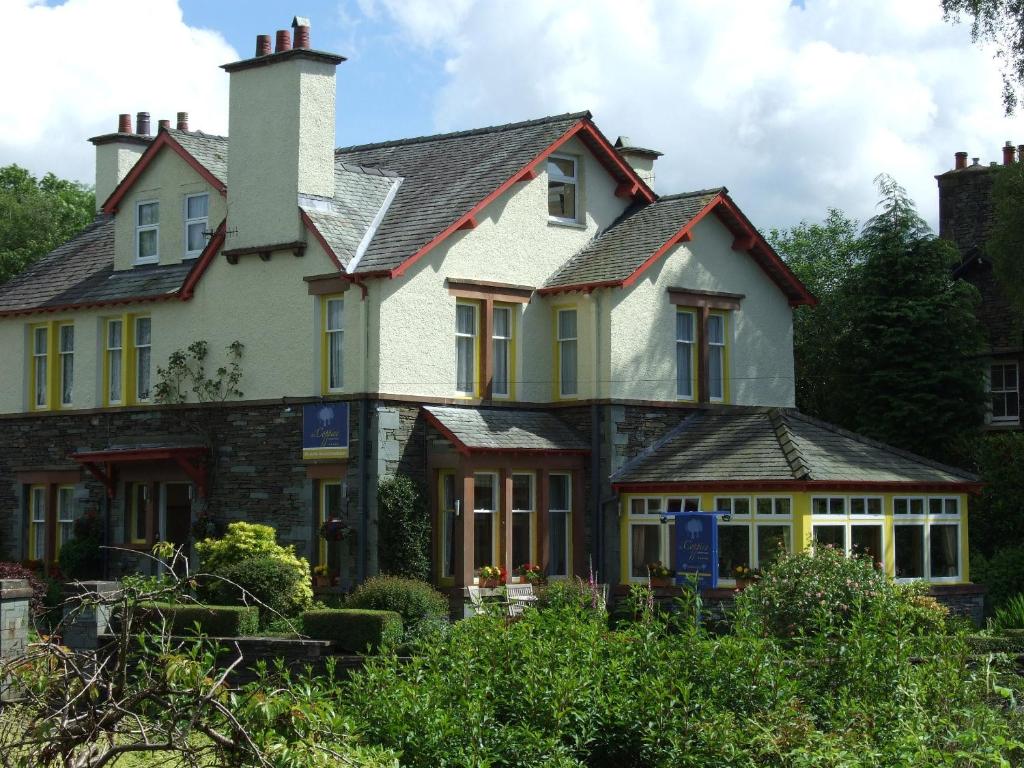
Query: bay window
<point x="485" y="498"/>
<point x="927" y="535"/>
<point x="522" y="519"/>
<point x="559" y="506"/>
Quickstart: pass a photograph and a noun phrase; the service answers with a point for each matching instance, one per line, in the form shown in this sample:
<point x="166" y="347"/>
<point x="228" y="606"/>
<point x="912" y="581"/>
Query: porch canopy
<point x="504" y="441"/>
<point x="103" y="464"/>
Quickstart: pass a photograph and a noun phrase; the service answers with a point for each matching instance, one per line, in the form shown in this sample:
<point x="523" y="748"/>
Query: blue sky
<point x="794" y="108"/>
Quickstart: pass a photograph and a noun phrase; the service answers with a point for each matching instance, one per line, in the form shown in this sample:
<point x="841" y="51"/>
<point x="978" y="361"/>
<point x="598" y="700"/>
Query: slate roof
<point x="209" y="150"/>
<point x="444" y="176"/>
<point x="632" y="239"/>
<point x="506" y="429"/>
<point x="773" y="444"/>
<point x="359" y="195"/>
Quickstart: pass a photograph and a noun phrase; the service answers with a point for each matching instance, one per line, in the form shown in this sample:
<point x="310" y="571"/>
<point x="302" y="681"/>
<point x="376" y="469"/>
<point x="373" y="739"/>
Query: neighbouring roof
<point x="503" y="429"/>
<point x="774" y="444"/>
<point x="444" y="176"/>
<point x="632" y="239"/>
<point x="209" y="150"/>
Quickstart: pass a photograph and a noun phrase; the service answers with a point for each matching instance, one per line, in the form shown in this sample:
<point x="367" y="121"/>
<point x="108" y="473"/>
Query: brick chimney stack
<point x="1008" y="153"/>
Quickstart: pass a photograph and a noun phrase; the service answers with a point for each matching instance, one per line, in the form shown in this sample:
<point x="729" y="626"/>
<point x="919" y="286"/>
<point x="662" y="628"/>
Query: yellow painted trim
<point x="325" y="358"/>
<point x="134" y="512"/>
<point x="32" y="521"/>
<point x="556" y="352"/>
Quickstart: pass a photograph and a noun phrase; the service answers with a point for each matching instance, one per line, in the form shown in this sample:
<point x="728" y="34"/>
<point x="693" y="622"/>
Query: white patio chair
<point x="519" y="596"/>
<point x="476" y="600"/>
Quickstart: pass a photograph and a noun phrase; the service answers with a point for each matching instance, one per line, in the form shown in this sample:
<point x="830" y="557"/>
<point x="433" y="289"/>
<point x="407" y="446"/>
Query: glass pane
<point x="819" y="506"/>
<point x="741" y="506"/>
<point x="483" y="539"/>
<point x="522" y="491"/>
<point x="917" y="506"/>
<point x="909" y="548"/>
<point x="996" y="378"/>
<point x="448" y="544"/>
<point x="38" y="504"/>
<point x="945" y="551"/>
<point x="139" y="513"/>
<point x="558" y="540"/>
<point x="142" y="373"/>
<point x="764" y="506"/>
<point x="39" y="345"/>
<point x="1012" y="405"/>
<point x="198" y="207"/>
<point x="40" y="380"/>
<point x="684" y="369"/>
<point x="836" y="506"/>
<point x="448" y="491"/>
<point x="830" y="536"/>
<point x="733" y="549"/>
<point x="562" y="166"/>
<point x="951" y="506"/>
<point x="114" y="334"/>
<point x="646" y="547"/>
<point x="934" y="506"/>
<point x="501" y="362"/>
<point x="782" y="507"/>
<point x="899" y="506"/>
<point x="674" y="505"/>
<point x="716" y="382"/>
<point x="114" y="394"/>
<point x="334" y="346"/>
<point x="67" y="338"/>
<point x="723" y="504"/>
<point x="654" y="506"/>
<point x="684" y="326"/>
<point x="67" y="377"/>
<point x="465" y="374"/>
<point x="196" y="237"/>
<point x="858" y="506"/>
<point x="716" y="329"/>
<point x="147" y="243"/>
<point x="567" y="367"/>
<point x="520" y="539"/>
<point x="691" y="505"/>
<point x="867" y="540"/>
<point x="567" y="324"/>
<point x="332" y="501"/>
<point x="772" y="541"/>
<point x="502" y="322"/>
<point x="1010" y="377"/>
<point x="465" y="319"/>
<point x="149" y="213"/>
<point x="335" y="310"/>
<point x="558" y="492"/>
<point x="142" y="327"/>
<point x="483" y="492"/>
<point x="874" y="506"/>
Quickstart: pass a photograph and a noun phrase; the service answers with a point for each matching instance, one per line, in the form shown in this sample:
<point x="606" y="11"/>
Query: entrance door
<point x="176" y="515"/>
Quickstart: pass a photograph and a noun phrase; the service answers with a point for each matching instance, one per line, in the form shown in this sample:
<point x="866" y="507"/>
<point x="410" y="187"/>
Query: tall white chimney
<point x="116" y="153"/>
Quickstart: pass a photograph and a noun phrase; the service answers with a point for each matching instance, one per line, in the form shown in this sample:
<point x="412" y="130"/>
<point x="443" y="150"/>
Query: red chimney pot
<point x="1008" y="153"/>
<point x="183" y="121"/>
<point x="961" y="160"/>
<point x="142" y="123"/>
<point x="124" y="123"/>
<point x="284" y="41"/>
<point x="262" y="45"/>
<point x="302" y="37"/>
<point x="163" y="125"/>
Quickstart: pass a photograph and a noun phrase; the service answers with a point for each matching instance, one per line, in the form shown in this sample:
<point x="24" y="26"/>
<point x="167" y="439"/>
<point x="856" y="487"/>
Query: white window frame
<point x="847" y="519"/>
<point x="561" y="343"/>
<point x="329" y="334"/>
<point x="690" y="346"/>
<point x="568" y="523"/>
<point x="926" y="519"/>
<point x="474" y="348"/>
<point x="752" y="520"/>
<point x="143" y="362"/>
<point x="506" y="341"/>
<point x="65" y="518"/>
<point x="721" y="348"/>
<point x="1005" y="391"/>
<point x="41" y="367"/>
<point x="204" y="220"/>
<point x="112" y="363"/>
<point x="37" y="520"/>
<point x="654" y="508"/>
<point x="140" y="228"/>
<point x="557" y="176"/>
<point x="531" y="514"/>
<point x="66" y="354"/>
<point x="493" y="511"/>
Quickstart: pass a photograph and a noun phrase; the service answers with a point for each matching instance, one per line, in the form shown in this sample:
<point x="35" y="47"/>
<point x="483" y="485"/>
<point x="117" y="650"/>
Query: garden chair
<point x="476" y="600"/>
<point x="519" y="596"/>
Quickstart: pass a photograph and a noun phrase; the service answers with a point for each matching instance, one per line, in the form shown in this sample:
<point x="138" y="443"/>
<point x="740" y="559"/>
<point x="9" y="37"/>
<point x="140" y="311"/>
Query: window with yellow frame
<point x="718" y="357"/>
<point x="503" y="331"/>
<point x="467" y="348"/>
<point x="138" y="519"/>
<point x="446" y="496"/>
<point x="127" y="360"/>
<point x="331" y="504"/>
<point x="65" y="518"/>
<point x="332" y="346"/>
<point x="37" y="522"/>
<point x="51" y="365"/>
<point x="566" y="353"/>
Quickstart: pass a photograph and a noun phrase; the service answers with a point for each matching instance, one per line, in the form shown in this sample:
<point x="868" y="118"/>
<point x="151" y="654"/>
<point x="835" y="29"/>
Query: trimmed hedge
<point x="353" y="630"/>
<point x="213" y="620"/>
<point x="413" y="600"/>
<point x="995" y="643"/>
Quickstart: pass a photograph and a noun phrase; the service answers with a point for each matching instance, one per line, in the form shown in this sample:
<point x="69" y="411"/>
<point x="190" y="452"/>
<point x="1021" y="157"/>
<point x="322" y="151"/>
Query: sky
<point x="794" y="107"/>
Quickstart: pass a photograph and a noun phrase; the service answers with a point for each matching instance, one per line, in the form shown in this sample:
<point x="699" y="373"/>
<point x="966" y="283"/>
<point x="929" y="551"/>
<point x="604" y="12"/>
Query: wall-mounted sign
<point x="697" y="548"/>
<point x="325" y="431"/>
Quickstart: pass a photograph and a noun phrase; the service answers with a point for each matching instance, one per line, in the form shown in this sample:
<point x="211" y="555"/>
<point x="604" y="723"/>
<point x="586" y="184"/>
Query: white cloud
<point x="793" y="109"/>
<point x="69" y="70"/>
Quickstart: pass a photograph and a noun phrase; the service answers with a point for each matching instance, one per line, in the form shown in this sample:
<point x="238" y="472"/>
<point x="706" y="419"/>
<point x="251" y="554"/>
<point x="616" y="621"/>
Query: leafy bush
<point x="270" y="581"/>
<point x="1004" y="643"/>
<point x="572" y="593"/>
<point x="213" y="620"/>
<point x="1011" y="615"/>
<point x="1002" y="575"/>
<point x="80" y="559"/>
<point x="413" y="600"/>
<point x="821" y="591"/>
<point x="37" y="603"/>
<point x="404" y="539"/>
<point x="354" y="631"/>
<point x="245" y="541"/>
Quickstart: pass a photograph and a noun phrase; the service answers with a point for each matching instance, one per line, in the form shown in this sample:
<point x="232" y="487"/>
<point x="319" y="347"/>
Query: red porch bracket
<point x="627" y="189"/>
<point x="105" y="475"/>
<point x="743" y="242"/>
<point x="469" y="223"/>
<point x="528" y="175"/>
<point x="196" y="472"/>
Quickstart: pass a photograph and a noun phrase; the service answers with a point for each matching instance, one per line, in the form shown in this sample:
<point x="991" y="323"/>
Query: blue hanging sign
<point x="697" y="548"/>
<point x="325" y="431"/>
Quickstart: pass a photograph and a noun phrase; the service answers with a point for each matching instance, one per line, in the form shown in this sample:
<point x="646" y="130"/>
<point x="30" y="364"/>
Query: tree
<point x="1000" y="22"/>
<point x="37" y="215"/>
<point x="1005" y="242"/>
<point x="824" y="256"/>
<point x="910" y="370"/>
<point x="404" y="541"/>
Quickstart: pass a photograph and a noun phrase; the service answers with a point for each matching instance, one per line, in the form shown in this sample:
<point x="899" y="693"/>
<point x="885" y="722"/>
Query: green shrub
<point x="1002" y="575"/>
<point x="1011" y="615"/>
<point x="213" y="620"/>
<point x="270" y="581"/>
<point x="982" y="644"/>
<point x="404" y="538"/>
<point x="413" y="600"/>
<point x="245" y="541"/>
<point x="572" y="593"/>
<point x="354" y="631"/>
<point x="80" y="559"/>
<point x="821" y="591"/>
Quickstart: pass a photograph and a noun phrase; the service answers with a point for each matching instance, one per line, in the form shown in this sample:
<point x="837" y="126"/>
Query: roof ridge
<point x="790" y="450"/>
<point x="200" y="134"/>
<point x="793" y="413"/>
<point x="682" y="426"/>
<point x="694" y="193"/>
<point x="585" y="114"/>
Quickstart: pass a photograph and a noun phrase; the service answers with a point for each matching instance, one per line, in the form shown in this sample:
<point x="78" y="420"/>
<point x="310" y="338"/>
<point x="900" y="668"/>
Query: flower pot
<point x="488" y="583"/>
<point x="743" y="583"/>
<point x="321" y="581"/>
<point x="661" y="581"/>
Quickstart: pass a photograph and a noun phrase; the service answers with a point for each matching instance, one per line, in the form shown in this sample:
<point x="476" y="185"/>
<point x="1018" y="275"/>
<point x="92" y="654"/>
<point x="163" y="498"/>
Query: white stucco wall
<point x="514" y="242"/>
<point x="168" y="180"/>
<point x="760" y="333"/>
<point x="281" y="124"/>
<point x="113" y="161"/>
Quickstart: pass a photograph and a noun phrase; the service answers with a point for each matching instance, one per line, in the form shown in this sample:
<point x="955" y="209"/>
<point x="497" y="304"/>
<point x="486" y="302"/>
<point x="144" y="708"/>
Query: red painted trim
<point x="435" y="422"/>
<point x="88" y="305"/>
<point x="535" y="451"/>
<point x="894" y="486"/>
<point x="579" y="287"/>
<point x="585" y="128"/>
<point x="162" y="140"/>
<point x="138" y="454"/>
<point x="470" y="223"/>
<point x="528" y="175"/>
<point x="308" y="222"/>
<point x="743" y="242"/>
<point x="105" y="476"/>
<point x="203" y="262"/>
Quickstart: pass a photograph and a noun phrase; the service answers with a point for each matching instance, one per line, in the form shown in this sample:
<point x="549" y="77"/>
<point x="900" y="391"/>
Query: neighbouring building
<point x="965" y="218"/>
<point x="509" y="315"/>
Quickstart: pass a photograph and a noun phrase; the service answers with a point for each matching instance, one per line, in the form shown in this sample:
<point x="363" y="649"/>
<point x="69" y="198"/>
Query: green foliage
<point x="1002" y="574"/>
<point x="822" y="592"/>
<point x="557" y="688"/>
<point x="245" y="541"/>
<point x="404" y="541"/>
<point x="1005" y="240"/>
<point x="37" y="603"/>
<point x="80" y="559"/>
<point x="999" y="24"/>
<point x="213" y="620"/>
<point x="415" y="601"/>
<point x="274" y="583"/>
<point x="1011" y="615"/>
<point x="186" y="372"/>
<point x="354" y="630"/>
<point x="37" y="215"/>
<point x="997" y="515"/>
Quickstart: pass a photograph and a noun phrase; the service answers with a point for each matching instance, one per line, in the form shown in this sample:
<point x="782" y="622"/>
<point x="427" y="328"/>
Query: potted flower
<point x="490" y="576"/>
<point x="531" y="573"/>
<point x="660" y="575"/>
<point x="745" y="576"/>
<point x="335" y="530"/>
<point x="321" y="576"/>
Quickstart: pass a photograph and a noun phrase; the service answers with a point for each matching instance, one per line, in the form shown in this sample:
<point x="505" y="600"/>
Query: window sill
<point x="566" y="223"/>
<point x="146" y="262"/>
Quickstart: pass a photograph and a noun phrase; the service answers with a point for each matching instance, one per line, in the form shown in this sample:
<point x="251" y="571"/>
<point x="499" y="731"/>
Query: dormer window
<point x="147" y="232"/>
<point x="196" y="217"/>
<point x="562" y="183"/>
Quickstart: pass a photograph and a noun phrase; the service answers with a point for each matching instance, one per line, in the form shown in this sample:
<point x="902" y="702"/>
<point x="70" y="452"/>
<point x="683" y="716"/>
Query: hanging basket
<point x="336" y="530"/>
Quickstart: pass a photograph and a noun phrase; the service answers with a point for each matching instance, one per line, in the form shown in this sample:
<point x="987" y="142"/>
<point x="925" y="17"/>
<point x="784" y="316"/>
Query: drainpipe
<point x="595" y="441"/>
<point x="364" y="448"/>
